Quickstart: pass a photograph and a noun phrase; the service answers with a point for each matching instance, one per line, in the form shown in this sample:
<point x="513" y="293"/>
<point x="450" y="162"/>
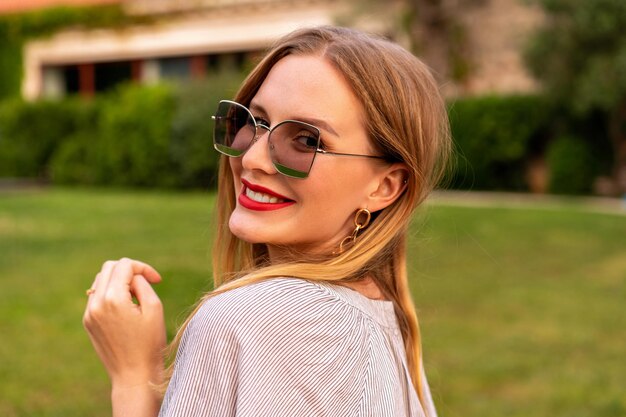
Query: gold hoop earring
<point x="361" y="221"/>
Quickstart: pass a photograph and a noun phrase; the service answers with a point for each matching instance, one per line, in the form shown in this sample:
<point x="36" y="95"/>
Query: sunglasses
<point x="293" y="144"/>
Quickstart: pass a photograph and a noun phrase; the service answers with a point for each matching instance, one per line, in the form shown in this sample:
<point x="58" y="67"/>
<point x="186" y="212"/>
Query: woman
<point x="331" y="143"/>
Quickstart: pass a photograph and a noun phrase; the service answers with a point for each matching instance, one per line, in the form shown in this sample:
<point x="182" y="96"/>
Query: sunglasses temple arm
<point x="349" y="154"/>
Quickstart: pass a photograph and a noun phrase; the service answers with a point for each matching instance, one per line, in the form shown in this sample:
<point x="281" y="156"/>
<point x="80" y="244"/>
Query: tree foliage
<point x="580" y="56"/>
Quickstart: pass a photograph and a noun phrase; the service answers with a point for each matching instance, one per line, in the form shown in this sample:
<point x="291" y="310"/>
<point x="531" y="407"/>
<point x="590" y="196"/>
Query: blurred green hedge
<point x="31" y="133"/>
<point x="494" y="137"/>
<point x="572" y="166"/>
<point x="160" y="136"/>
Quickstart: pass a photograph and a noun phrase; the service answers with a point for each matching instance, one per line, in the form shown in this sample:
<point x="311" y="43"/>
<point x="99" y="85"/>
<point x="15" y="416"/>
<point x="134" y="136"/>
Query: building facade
<point x="191" y="38"/>
<point x="183" y="42"/>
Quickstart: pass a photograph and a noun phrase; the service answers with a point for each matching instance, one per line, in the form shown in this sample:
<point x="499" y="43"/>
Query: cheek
<point x="339" y="192"/>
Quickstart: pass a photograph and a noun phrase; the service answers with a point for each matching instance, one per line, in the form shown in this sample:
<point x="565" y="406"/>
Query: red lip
<point x="259" y="189"/>
<point x="250" y="204"/>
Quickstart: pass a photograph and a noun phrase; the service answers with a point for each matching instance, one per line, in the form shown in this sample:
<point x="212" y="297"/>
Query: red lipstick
<point x="251" y="204"/>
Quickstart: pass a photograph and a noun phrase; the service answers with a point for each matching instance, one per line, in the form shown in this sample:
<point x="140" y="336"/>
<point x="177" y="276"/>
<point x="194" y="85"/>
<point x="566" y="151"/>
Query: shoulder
<point x="275" y="302"/>
<point x="280" y="314"/>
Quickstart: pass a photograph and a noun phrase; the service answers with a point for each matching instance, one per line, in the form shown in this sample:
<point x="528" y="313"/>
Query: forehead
<point x="307" y="86"/>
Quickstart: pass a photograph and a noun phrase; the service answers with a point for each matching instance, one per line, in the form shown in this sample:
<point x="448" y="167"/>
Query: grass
<point x="521" y="309"/>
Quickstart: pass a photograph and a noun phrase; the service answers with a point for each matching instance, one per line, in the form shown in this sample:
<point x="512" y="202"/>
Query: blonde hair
<point x="406" y="121"/>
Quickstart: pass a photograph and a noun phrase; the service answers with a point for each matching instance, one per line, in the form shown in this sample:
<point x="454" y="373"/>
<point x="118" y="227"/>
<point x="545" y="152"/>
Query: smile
<point x="261" y="197"/>
<point x="255" y="197"/>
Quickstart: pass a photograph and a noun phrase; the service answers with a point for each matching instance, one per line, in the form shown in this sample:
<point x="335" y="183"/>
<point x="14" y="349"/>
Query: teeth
<point x="262" y="198"/>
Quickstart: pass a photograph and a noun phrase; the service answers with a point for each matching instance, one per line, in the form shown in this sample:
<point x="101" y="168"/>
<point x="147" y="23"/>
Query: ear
<point x="387" y="187"/>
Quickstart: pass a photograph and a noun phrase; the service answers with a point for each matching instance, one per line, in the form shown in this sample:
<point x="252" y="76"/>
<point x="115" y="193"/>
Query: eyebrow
<point x="310" y="120"/>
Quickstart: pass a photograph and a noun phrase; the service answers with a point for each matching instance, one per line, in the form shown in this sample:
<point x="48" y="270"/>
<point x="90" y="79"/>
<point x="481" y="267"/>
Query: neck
<point x="366" y="286"/>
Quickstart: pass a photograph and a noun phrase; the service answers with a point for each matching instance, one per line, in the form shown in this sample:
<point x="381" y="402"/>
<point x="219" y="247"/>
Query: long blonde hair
<point x="406" y="121"/>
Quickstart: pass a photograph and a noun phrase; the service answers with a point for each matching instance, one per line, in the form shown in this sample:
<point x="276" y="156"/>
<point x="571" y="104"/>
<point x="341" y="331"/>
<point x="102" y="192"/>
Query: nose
<point x="257" y="157"/>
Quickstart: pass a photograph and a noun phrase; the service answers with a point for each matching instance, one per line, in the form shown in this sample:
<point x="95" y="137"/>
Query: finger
<point x="102" y="280"/>
<point x="95" y="298"/>
<point x="142" y="268"/>
<point x="90" y="293"/>
<point x="145" y="294"/>
<point x="124" y="271"/>
<point x="93" y="284"/>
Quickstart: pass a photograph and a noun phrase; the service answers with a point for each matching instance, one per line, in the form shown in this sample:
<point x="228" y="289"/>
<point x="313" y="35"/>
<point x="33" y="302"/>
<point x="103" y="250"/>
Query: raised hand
<point x="128" y="337"/>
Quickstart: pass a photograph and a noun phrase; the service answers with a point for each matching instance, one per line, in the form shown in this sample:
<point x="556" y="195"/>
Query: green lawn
<point x="522" y="310"/>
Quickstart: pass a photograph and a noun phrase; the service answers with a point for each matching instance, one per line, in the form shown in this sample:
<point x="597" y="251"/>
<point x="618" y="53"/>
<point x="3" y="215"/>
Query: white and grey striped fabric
<point x="290" y="347"/>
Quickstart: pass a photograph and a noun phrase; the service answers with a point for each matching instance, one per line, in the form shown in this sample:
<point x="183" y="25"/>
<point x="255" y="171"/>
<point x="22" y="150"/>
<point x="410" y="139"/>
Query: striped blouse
<point x="290" y="347"/>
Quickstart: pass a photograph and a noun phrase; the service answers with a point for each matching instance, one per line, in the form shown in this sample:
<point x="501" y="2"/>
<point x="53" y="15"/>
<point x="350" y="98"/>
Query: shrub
<point x="191" y="147"/>
<point x="161" y="136"/>
<point x="493" y="136"/>
<point x="148" y="136"/>
<point x="133" y="141"/>
<point x="31" y="132"/>
<point x="74" y="161"/>
<point x="572" y="166"/>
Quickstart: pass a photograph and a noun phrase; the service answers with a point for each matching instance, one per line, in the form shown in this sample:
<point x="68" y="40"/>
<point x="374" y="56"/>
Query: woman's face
<point x="312" y="214"/>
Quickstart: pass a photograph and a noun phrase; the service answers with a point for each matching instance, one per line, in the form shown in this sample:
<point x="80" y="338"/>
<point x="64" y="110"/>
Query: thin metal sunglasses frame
<point x="317" y="147"/>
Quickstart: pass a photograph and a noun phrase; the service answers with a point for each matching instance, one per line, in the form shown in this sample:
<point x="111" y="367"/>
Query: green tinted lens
<point x="289" y="171"/>
<point x="234" y="129"/>
<point x="293" y="146"/>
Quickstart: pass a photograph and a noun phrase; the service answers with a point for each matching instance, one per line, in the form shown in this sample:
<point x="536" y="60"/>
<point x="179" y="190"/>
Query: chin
<point x="246" y="231"/>
<point x="242" y="233"/>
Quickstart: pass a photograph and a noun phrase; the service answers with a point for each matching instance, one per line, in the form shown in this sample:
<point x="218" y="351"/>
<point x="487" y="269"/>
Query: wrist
<point x="135" y="399"/>
<point x="133" y="379"/>
<point x="138" y="374"/>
